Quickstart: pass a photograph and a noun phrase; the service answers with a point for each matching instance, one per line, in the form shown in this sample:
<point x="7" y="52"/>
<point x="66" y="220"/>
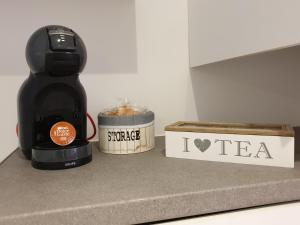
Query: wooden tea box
<point x="257" y="144"/>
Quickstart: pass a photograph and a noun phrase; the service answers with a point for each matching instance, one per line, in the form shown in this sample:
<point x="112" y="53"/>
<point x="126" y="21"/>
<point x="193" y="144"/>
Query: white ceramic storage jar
<point x="126" y="134"/>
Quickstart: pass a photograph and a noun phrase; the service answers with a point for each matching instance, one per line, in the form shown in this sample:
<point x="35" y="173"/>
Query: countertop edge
<point x="168" y="206"/>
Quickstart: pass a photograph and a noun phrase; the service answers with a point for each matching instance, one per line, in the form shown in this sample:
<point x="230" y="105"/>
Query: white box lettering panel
<point x="225" y="145"/>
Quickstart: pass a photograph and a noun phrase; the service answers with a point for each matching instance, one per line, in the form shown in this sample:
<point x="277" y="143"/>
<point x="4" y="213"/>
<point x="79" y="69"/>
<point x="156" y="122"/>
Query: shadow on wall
<point x="108" y="28"/>
<point x="297" y="144"/>
<point x="256" y="88"/>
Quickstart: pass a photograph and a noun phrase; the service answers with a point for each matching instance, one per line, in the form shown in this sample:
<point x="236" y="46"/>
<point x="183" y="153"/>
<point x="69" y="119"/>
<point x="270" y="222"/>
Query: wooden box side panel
<point x="232" y="128"/>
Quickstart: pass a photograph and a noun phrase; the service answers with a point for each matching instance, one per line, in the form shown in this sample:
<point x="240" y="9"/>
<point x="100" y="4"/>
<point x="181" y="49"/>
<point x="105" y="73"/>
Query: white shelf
<point x="220" y="30"/>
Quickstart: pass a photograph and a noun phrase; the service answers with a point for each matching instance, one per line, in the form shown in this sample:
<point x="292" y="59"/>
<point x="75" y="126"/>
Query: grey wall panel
<point x="107" y="27"/>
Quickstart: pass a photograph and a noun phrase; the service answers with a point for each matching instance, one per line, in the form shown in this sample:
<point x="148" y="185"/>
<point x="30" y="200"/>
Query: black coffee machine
<point x="52" y="101"/>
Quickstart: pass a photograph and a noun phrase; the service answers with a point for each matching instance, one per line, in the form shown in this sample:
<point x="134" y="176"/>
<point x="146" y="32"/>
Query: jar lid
<point x="125" y="120"/>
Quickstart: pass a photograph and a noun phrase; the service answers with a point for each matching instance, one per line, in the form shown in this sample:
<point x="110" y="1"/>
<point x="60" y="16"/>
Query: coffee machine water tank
<point x="52" y="101"/>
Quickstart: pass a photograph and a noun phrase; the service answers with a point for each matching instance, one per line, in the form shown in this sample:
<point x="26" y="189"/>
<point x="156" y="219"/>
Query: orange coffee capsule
<point x="63" y="133"/>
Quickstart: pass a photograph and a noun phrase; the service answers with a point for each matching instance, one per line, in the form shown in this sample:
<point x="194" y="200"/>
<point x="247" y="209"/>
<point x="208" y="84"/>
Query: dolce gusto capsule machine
<point x="52" y="124"/>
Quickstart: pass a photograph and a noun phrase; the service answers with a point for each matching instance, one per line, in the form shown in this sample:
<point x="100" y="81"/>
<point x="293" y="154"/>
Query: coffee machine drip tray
<point x="61" y="158"/>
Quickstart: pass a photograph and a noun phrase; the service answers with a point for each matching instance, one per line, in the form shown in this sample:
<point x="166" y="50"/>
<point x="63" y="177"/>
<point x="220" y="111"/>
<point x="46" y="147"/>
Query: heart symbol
<point x="202" y="145"/>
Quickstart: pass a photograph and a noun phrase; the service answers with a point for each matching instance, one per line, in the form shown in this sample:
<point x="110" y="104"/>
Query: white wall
<point x="258" y="88"/>
<point x="261" y="88"/>
<point x="107" y="28"/>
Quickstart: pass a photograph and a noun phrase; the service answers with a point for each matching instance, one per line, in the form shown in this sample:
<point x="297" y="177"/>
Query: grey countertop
<point x="137" y="188"/>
